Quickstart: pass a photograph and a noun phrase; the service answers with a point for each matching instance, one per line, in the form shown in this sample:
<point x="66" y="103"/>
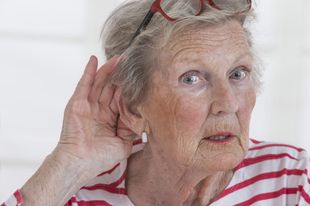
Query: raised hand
<point x="92" y="131"/>
<point x="93" y="140"/>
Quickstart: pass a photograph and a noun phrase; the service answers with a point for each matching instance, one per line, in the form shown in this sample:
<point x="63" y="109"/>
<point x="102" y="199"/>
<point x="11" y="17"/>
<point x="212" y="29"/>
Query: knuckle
<point x="91" y="98"/>
<point x="77" y="107"/>
<point x="101" y="100"/>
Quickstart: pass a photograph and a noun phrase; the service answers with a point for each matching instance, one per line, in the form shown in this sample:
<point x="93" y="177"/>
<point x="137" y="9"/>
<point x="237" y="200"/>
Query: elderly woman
<point x="166" y="120"/>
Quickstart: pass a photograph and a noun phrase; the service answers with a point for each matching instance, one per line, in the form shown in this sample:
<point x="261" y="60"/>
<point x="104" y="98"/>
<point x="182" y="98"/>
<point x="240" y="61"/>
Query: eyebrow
<point x="241" y="56"/>
<point x="244" y="55"/>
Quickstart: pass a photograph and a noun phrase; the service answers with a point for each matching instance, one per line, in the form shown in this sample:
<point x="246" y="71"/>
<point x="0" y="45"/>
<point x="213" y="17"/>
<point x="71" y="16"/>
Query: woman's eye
<point x="190" y="78"/>
<point x="238" y="74"/>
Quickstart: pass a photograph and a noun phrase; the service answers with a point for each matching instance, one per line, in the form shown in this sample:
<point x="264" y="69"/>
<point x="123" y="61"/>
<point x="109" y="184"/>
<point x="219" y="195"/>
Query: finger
<point x="85" y="83"/>
<point x="106" y="96"/>
<point x="124" y="132"/>
<point x="105" y="113"/>
<point x="101" y="78"/>
<point x="114" y="103"/>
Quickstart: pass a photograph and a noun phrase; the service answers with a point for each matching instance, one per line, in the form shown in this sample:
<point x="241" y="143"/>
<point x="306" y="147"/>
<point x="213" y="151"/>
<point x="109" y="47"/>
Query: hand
<point x="92" y="132"/>
<point x="93" y="140"/>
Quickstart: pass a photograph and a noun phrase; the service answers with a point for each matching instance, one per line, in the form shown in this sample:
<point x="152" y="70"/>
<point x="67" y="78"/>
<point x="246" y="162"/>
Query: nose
<point x="225" y="100"/>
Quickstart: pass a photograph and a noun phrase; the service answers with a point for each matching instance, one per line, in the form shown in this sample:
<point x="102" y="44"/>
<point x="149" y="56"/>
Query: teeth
<point x="217" y="137"/>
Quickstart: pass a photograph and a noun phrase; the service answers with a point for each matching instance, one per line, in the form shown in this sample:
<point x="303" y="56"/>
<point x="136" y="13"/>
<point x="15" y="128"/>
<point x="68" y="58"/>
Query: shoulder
<point x="281" y="169"/>
<point x="265" y="157"/>
<point x="261" y="151"/>
<point x="271" y="174"/>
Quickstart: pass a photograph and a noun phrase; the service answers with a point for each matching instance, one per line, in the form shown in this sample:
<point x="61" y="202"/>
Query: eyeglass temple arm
<point x="143" y="25"/>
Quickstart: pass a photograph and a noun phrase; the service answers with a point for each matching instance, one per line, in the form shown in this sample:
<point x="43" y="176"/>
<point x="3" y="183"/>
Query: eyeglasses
<point x="170" y="9"/>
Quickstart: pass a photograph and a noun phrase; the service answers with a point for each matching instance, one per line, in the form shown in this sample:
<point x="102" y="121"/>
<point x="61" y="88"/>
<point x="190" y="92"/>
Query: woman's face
<point x="203" y="94"/>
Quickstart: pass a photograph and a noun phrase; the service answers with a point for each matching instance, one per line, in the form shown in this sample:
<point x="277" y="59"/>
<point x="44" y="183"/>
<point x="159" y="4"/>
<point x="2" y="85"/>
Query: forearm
<point x="55" y="182"/>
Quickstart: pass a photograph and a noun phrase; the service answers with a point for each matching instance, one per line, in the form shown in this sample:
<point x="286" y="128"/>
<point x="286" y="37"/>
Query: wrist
<point x="72" y="163"/>
<point x="56" y="181"/>
<point x="68" y="166"/>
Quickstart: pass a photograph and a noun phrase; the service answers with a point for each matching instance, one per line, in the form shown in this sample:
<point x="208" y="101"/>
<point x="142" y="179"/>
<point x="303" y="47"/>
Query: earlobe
<point x="133" y="120"/>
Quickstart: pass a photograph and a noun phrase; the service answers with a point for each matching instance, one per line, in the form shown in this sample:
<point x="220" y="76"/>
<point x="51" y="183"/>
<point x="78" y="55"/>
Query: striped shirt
<point x="270" y="175"/>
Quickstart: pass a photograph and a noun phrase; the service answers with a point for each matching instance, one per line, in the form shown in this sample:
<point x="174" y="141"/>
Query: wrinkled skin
<point x="93" y="139"/>
<point x="203" y="86"/>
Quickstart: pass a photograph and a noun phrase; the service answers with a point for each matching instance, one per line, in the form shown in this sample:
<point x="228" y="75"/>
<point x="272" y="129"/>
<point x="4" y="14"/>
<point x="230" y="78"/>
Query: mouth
<point x="221" y="138"/>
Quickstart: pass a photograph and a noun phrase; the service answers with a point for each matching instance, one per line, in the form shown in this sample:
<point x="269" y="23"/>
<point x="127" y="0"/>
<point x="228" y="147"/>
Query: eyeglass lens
<point x="179" y="8"/>
<point x="232" y="5"/>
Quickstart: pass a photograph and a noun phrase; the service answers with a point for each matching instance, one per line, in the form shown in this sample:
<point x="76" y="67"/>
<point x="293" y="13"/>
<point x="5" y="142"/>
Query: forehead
<point x="227" y="40"/>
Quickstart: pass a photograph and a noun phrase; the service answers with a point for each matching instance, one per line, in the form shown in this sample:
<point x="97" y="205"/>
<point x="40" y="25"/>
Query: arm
<point x="55" y="182"/>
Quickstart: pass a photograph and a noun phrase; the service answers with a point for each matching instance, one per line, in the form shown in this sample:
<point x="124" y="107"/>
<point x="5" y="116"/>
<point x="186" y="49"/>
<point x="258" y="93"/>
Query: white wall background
<point x="44" y="46"/>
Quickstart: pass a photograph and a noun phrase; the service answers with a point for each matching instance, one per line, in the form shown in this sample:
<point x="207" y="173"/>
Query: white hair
<point x="134" y="72"/>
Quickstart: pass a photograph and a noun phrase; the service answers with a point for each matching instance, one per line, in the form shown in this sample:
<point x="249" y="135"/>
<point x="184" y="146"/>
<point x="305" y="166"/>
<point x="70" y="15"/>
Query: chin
<point x="221" y="157"/>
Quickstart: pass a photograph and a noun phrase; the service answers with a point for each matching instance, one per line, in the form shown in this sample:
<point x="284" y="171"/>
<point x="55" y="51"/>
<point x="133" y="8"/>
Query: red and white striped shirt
<point x="271" y="174"/>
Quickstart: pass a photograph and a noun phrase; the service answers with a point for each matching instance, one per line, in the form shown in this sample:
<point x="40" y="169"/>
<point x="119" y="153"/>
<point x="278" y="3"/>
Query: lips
<point x="221" y="137"/>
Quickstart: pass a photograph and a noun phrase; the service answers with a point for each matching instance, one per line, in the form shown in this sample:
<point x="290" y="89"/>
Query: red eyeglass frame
<point x="155" y="7"/>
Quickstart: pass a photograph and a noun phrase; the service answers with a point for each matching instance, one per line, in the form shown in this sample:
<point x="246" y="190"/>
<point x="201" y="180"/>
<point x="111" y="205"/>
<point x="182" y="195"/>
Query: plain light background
<point x="44" y="46"/>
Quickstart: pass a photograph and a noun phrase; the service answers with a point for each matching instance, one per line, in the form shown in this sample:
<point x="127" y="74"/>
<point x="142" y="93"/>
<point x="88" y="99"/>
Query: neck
<point x="152" y="180"/>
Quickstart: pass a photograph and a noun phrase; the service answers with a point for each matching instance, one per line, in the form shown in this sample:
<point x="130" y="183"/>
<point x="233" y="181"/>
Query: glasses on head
<point x="175" y="9"/>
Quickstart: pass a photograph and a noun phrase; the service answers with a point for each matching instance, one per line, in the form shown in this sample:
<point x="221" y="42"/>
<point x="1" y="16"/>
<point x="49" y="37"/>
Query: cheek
<point x="176" y="122"/>
<point x="176" y="113"/>
<point x="191" y="115"/>
<point x="246" y="105"/>
<point x="160" y="112"/>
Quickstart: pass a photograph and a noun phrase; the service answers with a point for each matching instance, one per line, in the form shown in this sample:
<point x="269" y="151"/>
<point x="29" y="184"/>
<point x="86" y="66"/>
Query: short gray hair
<point x="135" y="70"/>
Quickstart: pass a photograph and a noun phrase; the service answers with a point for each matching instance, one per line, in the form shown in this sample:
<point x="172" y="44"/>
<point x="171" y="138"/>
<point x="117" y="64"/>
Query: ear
<point x="134" y="120"/>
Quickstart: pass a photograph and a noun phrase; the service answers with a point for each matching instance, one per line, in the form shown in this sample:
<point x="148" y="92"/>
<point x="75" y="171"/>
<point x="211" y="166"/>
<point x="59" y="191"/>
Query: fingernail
<point x="91" y="57"/>
<point x="118" y="59"/>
